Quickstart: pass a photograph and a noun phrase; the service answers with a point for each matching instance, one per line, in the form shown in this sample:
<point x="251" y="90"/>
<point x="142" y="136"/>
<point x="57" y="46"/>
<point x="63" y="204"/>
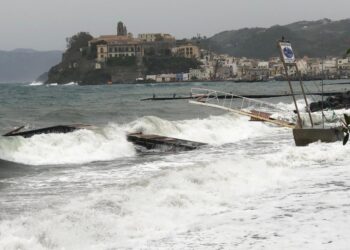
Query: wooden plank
<point x="261" y="114"/>
<point x="157" y="141"/>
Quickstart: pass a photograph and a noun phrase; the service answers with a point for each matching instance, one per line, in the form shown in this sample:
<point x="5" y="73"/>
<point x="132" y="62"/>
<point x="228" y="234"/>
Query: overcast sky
<point x="44" y="24"/>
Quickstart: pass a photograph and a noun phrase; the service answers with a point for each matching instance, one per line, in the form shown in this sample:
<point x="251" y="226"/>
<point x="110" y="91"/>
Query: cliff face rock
<point x="83" y="70"/>
<point x="310" y="38"/>
<point x="77" y="64"/>
<point x="71" y="69"/>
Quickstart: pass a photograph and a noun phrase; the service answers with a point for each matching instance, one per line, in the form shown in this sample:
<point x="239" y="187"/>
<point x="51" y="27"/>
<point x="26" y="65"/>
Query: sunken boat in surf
<point x="163" y="143"/>
<point x="304" y="135"/>
<point x="58" y="129"/>
<point x="148" y="142"/>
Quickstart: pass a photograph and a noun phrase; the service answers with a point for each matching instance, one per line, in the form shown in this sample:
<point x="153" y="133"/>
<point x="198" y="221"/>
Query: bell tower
<point x="121" y="29"/>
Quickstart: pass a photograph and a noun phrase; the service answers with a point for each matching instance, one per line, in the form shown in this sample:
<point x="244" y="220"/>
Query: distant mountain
<point x="310" y="38"/>
<point x="25" y="65"/>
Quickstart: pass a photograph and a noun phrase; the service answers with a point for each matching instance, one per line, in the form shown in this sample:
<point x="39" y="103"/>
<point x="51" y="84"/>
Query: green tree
<point x="78" y="41"/>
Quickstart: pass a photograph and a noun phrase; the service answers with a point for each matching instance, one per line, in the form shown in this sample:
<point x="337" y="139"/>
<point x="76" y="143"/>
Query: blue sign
<point x="288" y="52"/>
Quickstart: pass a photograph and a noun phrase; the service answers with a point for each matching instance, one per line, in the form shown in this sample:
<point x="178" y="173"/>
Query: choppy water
<point x="250" y="188"/>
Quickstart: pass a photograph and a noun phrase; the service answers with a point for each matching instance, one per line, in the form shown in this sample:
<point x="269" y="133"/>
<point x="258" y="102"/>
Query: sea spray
<point x="215" y="130"/>
<point x="79" y="147"/>
<point x="148" y="210"/>
<point x="71" y="84"/>
<point x="36" y="84"/>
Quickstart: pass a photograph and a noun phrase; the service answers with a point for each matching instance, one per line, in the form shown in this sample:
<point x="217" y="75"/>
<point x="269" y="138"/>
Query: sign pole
<point x="299" y="124"/>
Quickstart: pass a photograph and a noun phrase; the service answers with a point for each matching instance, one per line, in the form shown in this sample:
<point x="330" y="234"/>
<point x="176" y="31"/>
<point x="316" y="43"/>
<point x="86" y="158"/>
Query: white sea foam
<point x="110" y="143"/>
<point x="236" y="202"/>
<point x="79" y="147"/>
<point x="146" y="210"/>
<point x="332" y="117"/>
<point x="214" y="130"/>
<point x="253" y="198"/>
<point x="71" y="84"/>
<point x="36" y="84"/>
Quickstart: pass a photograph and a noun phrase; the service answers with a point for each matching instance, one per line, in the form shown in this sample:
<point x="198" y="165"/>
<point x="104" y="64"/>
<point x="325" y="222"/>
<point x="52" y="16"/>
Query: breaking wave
<point x="79" y="147"/>
<point x="329" y="117"/>
<point x="71" y="84"/>
<point x="110" y="143"/>
<point x="146" y="211"/>
<point x="214" y="130"/>
<point x="234" y="196"/>
<point x="36" y="84"/>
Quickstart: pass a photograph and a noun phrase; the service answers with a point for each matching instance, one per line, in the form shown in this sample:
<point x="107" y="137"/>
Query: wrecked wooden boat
<point x="58" y="129"/>
<point x="150" y="142"/>
<point x="255" y="109"/>
<point x="262" y="111"/>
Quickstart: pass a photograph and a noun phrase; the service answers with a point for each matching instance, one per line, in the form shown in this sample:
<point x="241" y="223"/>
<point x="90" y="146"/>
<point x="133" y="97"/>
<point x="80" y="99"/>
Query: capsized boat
<point x="58" y="129"/>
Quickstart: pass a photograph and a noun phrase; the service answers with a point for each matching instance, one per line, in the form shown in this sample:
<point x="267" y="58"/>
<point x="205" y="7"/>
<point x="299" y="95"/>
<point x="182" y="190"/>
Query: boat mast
<point x="299" y="124"/>
<point x="305" y="99"/>
<point x="323" y="77"/>
<point x="288" y="59"/>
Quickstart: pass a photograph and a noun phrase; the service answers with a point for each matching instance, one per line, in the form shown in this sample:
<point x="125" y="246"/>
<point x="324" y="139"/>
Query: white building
<point x="263" y="65"/>
<point x="199" y="74"/>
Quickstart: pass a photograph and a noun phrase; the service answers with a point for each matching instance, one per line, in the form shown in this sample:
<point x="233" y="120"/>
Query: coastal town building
<point x="155" y="37"/>
<point x="123" y="44"/>
<point x="199" y="74"/>
<point x="302" y="66"/>
<point x="118" y="46"/>
<point x="213" y="66"/>
<point x="343" y="67"/>
<point x="187" y="51"/>
<point x="166" y="78"/>
<point x="343" y="64"/>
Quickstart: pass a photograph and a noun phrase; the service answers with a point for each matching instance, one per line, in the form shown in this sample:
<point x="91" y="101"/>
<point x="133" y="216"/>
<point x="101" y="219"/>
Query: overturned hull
<point x="305" y="136"/>
<point x="59" y="129"/>
<point x="161" y="142"/>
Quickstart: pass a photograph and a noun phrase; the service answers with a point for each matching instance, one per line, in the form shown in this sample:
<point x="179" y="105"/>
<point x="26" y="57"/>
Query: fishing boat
<point x="304" y="135"/>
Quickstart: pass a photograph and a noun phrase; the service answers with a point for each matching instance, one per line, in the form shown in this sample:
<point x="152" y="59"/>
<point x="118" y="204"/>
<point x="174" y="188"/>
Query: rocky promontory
<point x="79" y="65"/>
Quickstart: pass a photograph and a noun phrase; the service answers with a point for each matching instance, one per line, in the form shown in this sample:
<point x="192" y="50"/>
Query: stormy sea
<point x="250" y="187"/>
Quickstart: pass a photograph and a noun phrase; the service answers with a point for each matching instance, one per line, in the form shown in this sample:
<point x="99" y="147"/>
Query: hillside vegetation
<point x="310" y="38"/>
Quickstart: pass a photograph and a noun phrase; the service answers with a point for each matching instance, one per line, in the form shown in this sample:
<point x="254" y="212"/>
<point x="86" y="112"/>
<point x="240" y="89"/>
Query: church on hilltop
<point x="121" y="29"/>
<point x="124" y="44"/>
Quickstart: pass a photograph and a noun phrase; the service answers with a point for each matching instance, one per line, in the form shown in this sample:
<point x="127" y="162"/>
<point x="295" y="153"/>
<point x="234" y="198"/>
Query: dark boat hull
<point x="59" y="129"/>
<point x="305" y="136"/>
<point x="166" y="143"/>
